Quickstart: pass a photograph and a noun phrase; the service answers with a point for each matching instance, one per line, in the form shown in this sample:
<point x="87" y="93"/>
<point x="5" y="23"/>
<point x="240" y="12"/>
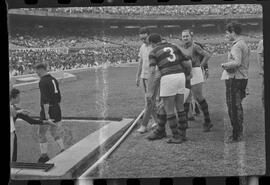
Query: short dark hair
<point x="14" y="93"/>
<point x="144" y="30"/>
<point x="154" y="38"/>
<point x="41" y="66"/>
<point x="234" y="27"/>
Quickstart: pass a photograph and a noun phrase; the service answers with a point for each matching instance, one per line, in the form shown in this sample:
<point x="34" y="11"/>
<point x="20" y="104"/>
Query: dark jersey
<point x="49" y="90"/>
<point x="168" y="58"/>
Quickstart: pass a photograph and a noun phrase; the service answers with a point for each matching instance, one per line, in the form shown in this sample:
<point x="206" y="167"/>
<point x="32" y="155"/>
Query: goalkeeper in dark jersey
<point x="50" y="98"/>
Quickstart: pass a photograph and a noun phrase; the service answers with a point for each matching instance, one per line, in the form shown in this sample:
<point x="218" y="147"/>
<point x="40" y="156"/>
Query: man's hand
<point x="49" y="122"/>
<point x="206" y="73"/>
<point x="23" y="111"/>
<point x="138" y="82"/>
<point x="188" y="77"/>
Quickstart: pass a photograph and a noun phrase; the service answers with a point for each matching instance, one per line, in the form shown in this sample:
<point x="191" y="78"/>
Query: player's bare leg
<point x="43" y="144"/>
<point x="182" y="118"/>
<point x="198" y="95"/>
<point x="57" y="136"/>
<point x="187" y="104"/>
<point x="149" y="110"/>
<point x="169" y="106"/>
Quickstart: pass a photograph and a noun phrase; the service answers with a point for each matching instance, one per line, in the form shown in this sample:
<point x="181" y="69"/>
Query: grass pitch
<point x="112" y="92"/>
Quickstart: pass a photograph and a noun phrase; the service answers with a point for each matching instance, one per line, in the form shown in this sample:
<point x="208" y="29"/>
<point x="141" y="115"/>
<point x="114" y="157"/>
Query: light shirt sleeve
<point x="12" y="125"/>
<point x="235" y="57"/>
<point x="260" y="47"/>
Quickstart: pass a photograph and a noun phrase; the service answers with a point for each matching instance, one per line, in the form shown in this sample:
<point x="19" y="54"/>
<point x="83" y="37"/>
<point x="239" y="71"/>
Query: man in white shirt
<point x="143" y="74"/>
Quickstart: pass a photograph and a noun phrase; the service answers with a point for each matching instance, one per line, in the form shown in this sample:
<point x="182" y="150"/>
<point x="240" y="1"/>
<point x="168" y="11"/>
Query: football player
<point x="50" y="98"/>
<point x="172" y="65"/>
<point x="199" y="58"/>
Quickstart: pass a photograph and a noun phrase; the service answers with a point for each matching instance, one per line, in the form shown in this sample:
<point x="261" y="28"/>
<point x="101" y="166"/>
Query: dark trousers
<point x="14" y="155"/>
<point x="235" y="93"/>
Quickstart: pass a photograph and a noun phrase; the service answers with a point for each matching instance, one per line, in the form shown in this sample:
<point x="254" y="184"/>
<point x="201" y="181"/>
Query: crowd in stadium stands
<point x="186" y="10"/>
<point x="22" y="62"/>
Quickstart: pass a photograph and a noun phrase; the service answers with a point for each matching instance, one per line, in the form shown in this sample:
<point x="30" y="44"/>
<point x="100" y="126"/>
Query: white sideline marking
<point x="100" y="160"/>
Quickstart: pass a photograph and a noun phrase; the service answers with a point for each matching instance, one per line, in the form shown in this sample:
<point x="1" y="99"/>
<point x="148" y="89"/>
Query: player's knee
<point x="198" y="96"/>
<point x="42" y="139"/>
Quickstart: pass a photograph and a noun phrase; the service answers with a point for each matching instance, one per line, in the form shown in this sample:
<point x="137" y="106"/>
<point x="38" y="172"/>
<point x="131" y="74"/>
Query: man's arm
<point x="152" y="71"/>
<point x="139" y="71"/>
<point x="260" y="56"/>
<point x="45" y="92"/>
<point x="32" y="121"/>
<point x="236" y="58"/>
<point x="150" y="81"/>
<point x="187" y="64"/>
<point x="206" y="55"/>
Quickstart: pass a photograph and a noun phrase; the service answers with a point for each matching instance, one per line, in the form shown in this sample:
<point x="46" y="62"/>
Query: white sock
<point x="61" y="144"/>
<point x="43" y="148"/>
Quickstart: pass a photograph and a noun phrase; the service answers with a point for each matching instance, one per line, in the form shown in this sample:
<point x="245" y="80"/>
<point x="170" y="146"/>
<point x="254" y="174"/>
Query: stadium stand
<point x="187" y="10"/>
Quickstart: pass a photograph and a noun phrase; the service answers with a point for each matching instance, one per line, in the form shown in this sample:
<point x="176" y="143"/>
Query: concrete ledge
<point x="75" y="160"/>
<point x="30" y="82"/>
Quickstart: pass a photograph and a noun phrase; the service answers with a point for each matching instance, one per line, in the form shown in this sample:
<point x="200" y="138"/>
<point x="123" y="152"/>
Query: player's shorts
<point x="172" y="84"/>
<point x="54" y="113"/>
<point x="197" y="76"/>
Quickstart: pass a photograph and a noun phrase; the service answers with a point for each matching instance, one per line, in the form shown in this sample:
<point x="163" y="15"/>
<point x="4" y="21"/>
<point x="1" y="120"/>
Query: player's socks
<point x="182" y="120"/>
<point x="61" y="144"/>
<point x="43" y="148"/>
<point x="186" y="108"/>
<point x="171" y="120"/>
<point x="204" y="107"/>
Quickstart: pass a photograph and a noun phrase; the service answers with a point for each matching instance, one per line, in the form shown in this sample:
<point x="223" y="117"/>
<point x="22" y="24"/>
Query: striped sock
<point x="186" y="108"/>
<point x="204" y="107"/>
<point x="182" y="120"/>
<point x="171" y="119"/>
<point x="161" y="124"/>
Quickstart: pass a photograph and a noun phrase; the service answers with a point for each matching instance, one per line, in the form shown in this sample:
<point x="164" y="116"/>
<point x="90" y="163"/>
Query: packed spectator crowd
<point x="172" y="10"/>
<point x="22" y="62"/>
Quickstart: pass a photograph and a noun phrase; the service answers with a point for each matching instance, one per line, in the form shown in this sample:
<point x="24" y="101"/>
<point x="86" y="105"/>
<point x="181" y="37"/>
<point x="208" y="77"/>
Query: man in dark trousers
<point x="237" y="68"/>
<point x="16" y="113"/>
<point x="50" y="98"/>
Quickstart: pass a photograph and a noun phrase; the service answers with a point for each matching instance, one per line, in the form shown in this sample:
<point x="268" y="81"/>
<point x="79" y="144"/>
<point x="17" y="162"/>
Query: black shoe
<point x="154" y="136"/>
<point x="175" y="140"/>
<point x="232" y="139"/>
<point x="207" y="127"/>
<point x="43" y="158"/>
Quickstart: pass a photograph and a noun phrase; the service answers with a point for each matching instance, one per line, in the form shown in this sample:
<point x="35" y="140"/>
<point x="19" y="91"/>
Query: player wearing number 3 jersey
<point x="50" y="99"/>
<point x="172" y="65"/>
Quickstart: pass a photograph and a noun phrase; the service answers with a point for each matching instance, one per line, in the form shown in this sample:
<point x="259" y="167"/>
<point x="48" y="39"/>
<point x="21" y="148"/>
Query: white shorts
<point x="197" y="76"/>
<point x="172" y="84"/>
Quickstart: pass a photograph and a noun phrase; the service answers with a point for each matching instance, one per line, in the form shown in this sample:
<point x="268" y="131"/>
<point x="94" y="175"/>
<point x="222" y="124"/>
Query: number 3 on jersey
<point x="172" y="56"/>
<point x="55" y="88"/>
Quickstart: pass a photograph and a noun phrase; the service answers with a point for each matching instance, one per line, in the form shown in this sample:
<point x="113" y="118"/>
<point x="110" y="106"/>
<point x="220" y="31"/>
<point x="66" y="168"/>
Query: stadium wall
<point x="127" y="26"/>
